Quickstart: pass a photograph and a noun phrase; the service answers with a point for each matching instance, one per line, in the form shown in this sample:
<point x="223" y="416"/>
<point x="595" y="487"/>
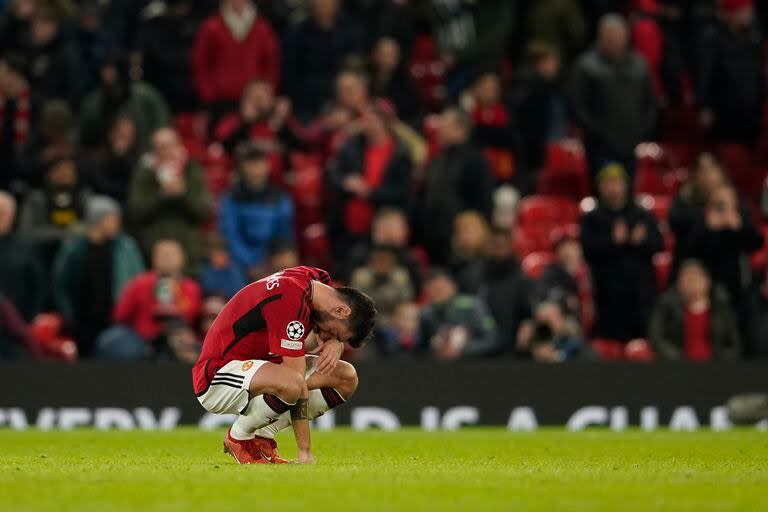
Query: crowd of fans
<point x="484" y="169"/>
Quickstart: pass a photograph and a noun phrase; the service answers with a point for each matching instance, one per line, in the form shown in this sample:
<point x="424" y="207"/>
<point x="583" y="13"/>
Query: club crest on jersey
<point x="247" y="365"/>
<point x="295" y="330"/>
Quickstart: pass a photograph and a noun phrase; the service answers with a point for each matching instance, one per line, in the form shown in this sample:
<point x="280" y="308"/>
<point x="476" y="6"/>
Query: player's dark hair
<point x="362" y="319"/>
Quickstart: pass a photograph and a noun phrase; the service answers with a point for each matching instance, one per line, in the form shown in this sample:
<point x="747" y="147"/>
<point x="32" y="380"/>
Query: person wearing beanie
<point x="619" y="239"/>
<point x="91" y="270"/>
<point x="731" y="84"/>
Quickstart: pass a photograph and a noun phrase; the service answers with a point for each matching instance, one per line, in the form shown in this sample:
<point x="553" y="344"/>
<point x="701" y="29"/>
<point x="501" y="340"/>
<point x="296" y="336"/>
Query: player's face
<point x="328" y="329"/>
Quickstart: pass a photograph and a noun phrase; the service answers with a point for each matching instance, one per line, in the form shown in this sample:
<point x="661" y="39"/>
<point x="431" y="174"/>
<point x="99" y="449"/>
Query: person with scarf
<point x="373" y="169"/>
<point x="254" y="214"/>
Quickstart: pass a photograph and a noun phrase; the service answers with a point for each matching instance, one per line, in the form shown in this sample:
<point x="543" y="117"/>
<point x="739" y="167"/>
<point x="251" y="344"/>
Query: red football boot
<point x="268" y="450"/>
<point x="244" y="452"/>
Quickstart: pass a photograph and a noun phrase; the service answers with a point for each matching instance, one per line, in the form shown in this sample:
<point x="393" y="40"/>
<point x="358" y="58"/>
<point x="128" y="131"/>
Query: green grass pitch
<point x="467" y="471"/>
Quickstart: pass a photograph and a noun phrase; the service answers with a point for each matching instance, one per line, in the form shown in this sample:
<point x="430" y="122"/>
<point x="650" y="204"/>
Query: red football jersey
<point x="265" y="320"/>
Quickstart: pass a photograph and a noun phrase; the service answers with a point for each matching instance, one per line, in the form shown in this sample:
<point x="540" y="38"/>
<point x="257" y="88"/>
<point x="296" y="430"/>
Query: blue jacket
<point x="251" y="221"/>
<point x="225" y="281"/>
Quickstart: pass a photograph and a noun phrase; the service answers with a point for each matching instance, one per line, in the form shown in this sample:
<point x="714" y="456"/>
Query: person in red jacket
<point x="152" y="307"/>
<point x="232" y="47"/>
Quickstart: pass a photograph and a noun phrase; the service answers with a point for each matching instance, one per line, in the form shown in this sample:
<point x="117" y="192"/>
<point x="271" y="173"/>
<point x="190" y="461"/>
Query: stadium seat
<point x="534" y="264"/>
<point x="662" y="265"/>
<point x="639" y="350"/>
<point x="608" y="350"/>
<point x="315" y="247"/>
<point x="428" y="71"/>
<point x="547" y="211"/>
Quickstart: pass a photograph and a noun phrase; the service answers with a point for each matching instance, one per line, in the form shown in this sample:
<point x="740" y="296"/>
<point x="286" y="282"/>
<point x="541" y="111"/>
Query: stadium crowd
<point x="548" y="179"/>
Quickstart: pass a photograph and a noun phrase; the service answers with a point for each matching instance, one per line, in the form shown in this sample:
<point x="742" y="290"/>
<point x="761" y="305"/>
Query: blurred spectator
<point x="757" y="328"/>
<point x="706" y="176"/>
<point x="561" y="280"/>
<point x="389" y="228"/>
<point x="454" y="326"/>
<point x="694" y="320"/>
<point x="385" y="281"/>
<point x="220" y="276"/>
<point x="232" y="47"/>
<point x="261" y="119"/>
<point x="542" y="106"/>
<point x="457" y="179"/>
<point x="619" y="240"/>
<point x="15" y="114"/>
<point x="212" y="306"/>
<point x="722" y="239"/>
<point x="552" y="336"/>
<point x="91" y="271"/>
<point x="15" y="20"/>
<point x="390" y="80"/>
<point x="401" y="335"/>
<point x="506" y="290"/>
<point x="254" y="214"/>
<point x="470" y="36"/>
<point x="559" y="23"/>
<point x="505" y="201"/>
<point x="108" y="170"/>
<point x="165" y="41"/>
<point x="22" y="278"/>
<point x="120" y="96"/>
<point x="730" y="86"/>
<point x="612" y="98"/>
<point x="372" y="170"/>
<point x="52" y="213"/>
<point x="494" y="128"/>
<point x="54" y="64"/>
<point x="648" y="41"/>
<point x="315" y="50"/>
<point x="52" y="139"/>
<point x="94" y="41"/>
<point x="16" y="339"/>
<point x="168" y="198"/>
<point x="470" y="248"/>
<point x="153" y="307"/>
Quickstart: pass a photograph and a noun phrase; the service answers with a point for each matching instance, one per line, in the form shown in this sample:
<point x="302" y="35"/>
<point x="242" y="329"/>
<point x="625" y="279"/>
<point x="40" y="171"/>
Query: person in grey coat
<point x="452" y="325"/>
<point x="612" y="97"/>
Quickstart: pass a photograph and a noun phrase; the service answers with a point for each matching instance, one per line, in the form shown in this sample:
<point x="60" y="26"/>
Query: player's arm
<point x="299" y="414"/>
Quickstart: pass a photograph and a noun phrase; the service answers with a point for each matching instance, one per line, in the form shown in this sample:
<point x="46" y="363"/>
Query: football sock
<point x="261" y="410"/>
<point x="320" y="401"/>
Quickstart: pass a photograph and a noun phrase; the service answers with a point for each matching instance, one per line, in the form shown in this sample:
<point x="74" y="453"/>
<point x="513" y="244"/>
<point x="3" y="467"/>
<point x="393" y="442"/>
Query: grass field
<point x="463" y="471"/>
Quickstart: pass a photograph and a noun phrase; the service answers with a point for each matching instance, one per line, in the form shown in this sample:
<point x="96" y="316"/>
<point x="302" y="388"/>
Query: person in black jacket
<point x="372" y="169"/>
<point x="165" y="42"/>
<point x="22" y="278"/>
<point x="619" y="239"/>
<point x="730" y="87"/>
<point x="390" y="80"/>
<point x="457" y="179"/>
<point x="314" y="51"/>
<point x="722" y="239"/>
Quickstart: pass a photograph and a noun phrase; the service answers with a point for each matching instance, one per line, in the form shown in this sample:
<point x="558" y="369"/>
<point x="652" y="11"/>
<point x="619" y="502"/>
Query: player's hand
<point x="329" y="354"/>
<point x="306" y="458"/>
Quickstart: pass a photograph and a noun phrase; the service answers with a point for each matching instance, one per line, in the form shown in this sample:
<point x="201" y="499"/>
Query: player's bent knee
<point x="348" y="379"/>
<point x="292" y="387"/>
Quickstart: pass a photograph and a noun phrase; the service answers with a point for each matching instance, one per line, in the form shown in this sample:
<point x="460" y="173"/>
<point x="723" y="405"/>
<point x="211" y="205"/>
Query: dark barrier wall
<point x="393" y="394"/>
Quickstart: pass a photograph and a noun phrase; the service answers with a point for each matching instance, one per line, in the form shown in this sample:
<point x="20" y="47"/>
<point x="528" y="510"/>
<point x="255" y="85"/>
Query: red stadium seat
<point x="608" y="350"/>
<point x="428" y="71"/>
<point x="639" y="350"/>
<point x="547" y="211"/>
<point x="662" y="264"/>
<point x="534" y="264"/>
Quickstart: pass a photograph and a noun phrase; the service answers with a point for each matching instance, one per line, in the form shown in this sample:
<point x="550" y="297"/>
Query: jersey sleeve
<point x="288" y="323"/>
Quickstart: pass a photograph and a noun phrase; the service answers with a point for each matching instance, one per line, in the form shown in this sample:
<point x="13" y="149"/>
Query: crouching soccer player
<point x="253" y="361"/>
